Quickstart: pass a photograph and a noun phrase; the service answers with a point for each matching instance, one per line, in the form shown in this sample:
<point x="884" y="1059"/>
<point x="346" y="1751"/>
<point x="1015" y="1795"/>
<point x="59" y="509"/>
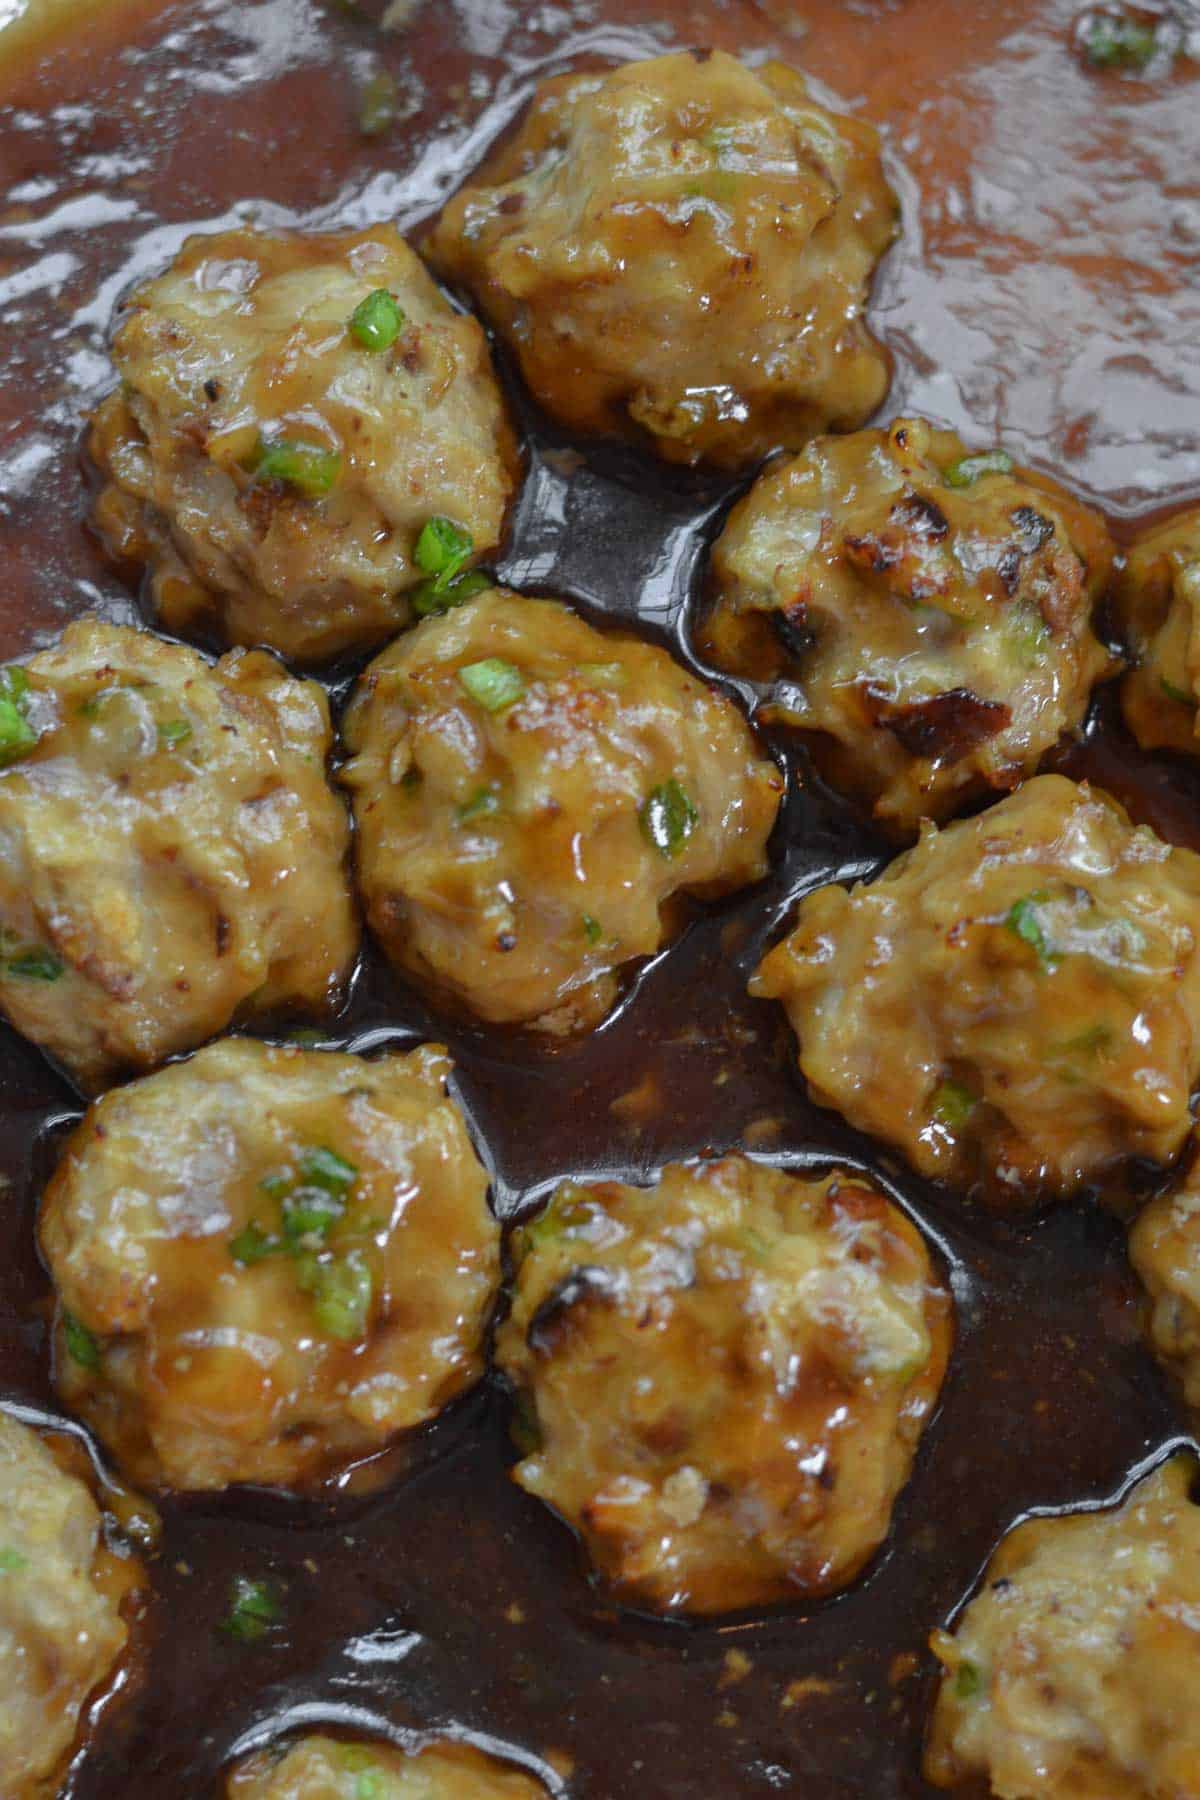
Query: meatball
<point x="679" y="251"/>
<point x="926" y="611"/>
<point x="531" y="794"/>
<point x="62" y="1591"/>
<point x="268" y="1262"/>
<point x="1157" y="603"/>
<point x="322" y="1768"/>
<point x="1073" y="1674"/>
<point x="1015" y="1002"/>
<point x="170" y="850"/>
<point x="295" y="412"/>
<point x="722" y="1379"/>
<point x="1164" y="1247"/>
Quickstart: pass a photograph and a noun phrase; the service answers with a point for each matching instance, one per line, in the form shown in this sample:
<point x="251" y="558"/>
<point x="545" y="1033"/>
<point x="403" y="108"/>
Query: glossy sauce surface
<point x="1044" y="293"/>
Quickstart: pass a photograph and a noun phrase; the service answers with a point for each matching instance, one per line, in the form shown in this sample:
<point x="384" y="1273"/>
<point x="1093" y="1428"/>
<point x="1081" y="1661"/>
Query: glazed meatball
<point x="722" y="1379"/>
<point x="62" y="1591"/>
<point x="1073" y="1675"/>
<point x="268" y="1262"/>
<point x="1015" y="1002"/>
<point x="294" y="413"/>
<point x="925" y="612"/>
<point x="322" y="1768"/>
<point x="1157" y="602"/>
<point x="679" y="251"/>
<point x="532" y="793"/>
<point x="1164" y="1247"/>
<point x="170" y="850"/>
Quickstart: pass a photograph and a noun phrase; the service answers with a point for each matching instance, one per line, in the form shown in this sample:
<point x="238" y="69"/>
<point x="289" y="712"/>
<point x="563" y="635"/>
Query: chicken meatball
<point x="170" y="850"/>
<point x="322" y="1768"/>
<point x="679" y="251"/>
<point x="1157" y="603"/>
<point x="1164" y="1247"/>
<point x="1074" y="1674"/>
<point x="531" y="793"/>
<point x="1015" y="1002"/>
<point x="268" y="1262"/>
<point x="62" y="1591"/>
<point x="722" y="1379"/>
<point x="301" y="425"/>
<point x="926" y="613"/>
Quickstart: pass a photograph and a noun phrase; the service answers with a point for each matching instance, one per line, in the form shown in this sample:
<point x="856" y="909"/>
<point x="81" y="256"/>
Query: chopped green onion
<point x="281" y="1181"/>
<point x="1087" y="1043"/>
<point x="251" y="1245"/>
<point x="82" y="1347"/>
<point x="377" y="321"/>
<point x="438" y="596"/>
<point x="17" y="736"/>
<point x="36" y="964"/>
<point x="342" y="1292"/>
<point x="482" y="803"/>
<point x="592" y="929"/>
<point x="377" y="104"/>
<point x="14" y="683"/>
<point x="967" y="1681"/>
<point x="253" y="1608"/>
<point x="442" y="547"/>
<point x="326" y="1169"/>
<point x="952" y="1105"/>
<point x="12" y="1561"/>
<point x="1116" y="43"/>
<point x="1022" y="920"/>
<point x="310" y="1212"/>
<point x="1176" y="693"/>
<point x="308" y="468"/>
<point x="495" y="684"/>
<point x="372" y="1784"/>
<point x="969" y="469"/>
<point x="604" y="674"/>
<point x="668" y="818"/>
<point x="175" y="731"/>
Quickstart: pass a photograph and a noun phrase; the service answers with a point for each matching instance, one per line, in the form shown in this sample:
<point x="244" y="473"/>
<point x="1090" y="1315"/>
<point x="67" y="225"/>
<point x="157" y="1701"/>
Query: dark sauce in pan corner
<point x="1045" y="293"/>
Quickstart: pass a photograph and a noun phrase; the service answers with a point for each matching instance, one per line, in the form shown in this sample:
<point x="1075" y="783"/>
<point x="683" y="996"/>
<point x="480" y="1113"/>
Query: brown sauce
<point x="1045" y="293"/>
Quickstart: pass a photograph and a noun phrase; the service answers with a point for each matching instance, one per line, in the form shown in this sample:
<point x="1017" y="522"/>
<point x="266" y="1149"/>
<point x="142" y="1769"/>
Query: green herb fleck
<point x="36" y="964"/>
<point x="970" y="469"/>
<point x="668" y="818"/>
<point x="175" y="731"/>
<point x="482" y="803"/>
<point x="603" y="674"/>
<point x="326" y="1169"/>
<point x="967" y="1681"/>
<point x="377" y="104"/>
<point x="1176" y="693"/>
<point x="308" y="468"/>
<point x="952" y="1105"/>
<point x="342" y="1292"/>
<point x="17" y="736"/>
<point x="435" y="596"/>
<point x="1022" y="920"/>
<point x="252" y="1244"/>
<point x="593" y="931"/>
<point x="12" y="1562"/>
<point x="254" y="1608"/>
<point x="493" y="683"/>
<point x="1112" y="42"/>
<point x="377" y="321"/>
<point x="442" y="547"/>
<point x="82" y="1347"/>
<point x="310" y="1212"/>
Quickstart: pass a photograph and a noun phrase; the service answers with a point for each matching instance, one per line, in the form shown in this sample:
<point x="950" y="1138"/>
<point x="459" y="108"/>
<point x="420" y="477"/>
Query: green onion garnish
<point x="342" y="1292"/>
<point x="254" y="1608"/>
<point x="82" y="1347"/>
<point x="377" y="321"/>
<point x="969" y="469"/>
<point x="495" y="684"/>
<point x="668" y="818"/>
<point x="36" y="964"/>
<point x="309" y="469"/>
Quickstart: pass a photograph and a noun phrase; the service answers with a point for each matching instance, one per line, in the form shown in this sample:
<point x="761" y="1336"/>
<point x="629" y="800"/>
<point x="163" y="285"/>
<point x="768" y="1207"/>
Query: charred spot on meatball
<point x="532" y="796"/>
<point x="681" y="254"/>
<point x="1156" y="599"/>
<point x="721" y="1381"/>
<point x="1072" y="1672"/>
<point x="269" y="1263"/>
<point x="1014" y="1004"/>
<point x="946" y="603"/>
<point x="296" y="413"/>
<point x="365" y="1769"/>
<point x="171" y="853"/>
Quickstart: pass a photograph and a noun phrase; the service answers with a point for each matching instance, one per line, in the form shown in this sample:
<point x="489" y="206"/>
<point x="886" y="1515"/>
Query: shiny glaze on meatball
<point x="925" y="612"/>
<point x="722" y="1379"/>
<point x="679" y="251"/>
<point x="323" y="1768"/>
<point x="171" y="853"/>
<point x="1015" y="1002"/>
<point x="1157" y="603"/>
<point x="293" y="411"/>
<point x="268" y="1262"/>
<point x="531" y="794"/>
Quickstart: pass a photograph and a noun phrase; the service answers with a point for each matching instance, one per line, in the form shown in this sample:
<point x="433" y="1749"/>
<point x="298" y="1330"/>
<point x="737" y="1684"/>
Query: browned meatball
<point x="1015" y="1001"/>
<point x="63" y="1600"/>
<point x="171" y="853"/>
<point x="294" y="412"/>
<point x="924" y="612"/>
<point x="1164" y="1247"/>
<point x="723" y="1378"/>
<point x="268" y="1262"/>
<point x="532" y="793"/>
<point x="679" y="251"/>
<point x="1157" y="602"/>
<point x="323" y="1768"/>
<point x="1075" y="1672"/>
